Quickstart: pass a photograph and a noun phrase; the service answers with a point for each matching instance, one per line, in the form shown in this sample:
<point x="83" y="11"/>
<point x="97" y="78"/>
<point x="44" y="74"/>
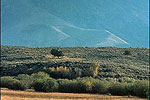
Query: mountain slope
<point x="56" y="23"/>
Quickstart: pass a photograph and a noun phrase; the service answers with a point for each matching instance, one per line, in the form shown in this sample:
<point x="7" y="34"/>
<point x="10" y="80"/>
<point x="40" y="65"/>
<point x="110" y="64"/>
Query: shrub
<point x="65" y="72"/>
<point x="85" y="84"/>
<point x="25" y="79"/>
<point x="45" y="85"/>
<point x="111" y="80"/>
<point x="68" y="86"/>
<point x="11" y="83"/>
<point x="126" y="79"/>
<point x="5" y="80"/>
<point x="74" y="73"/>
<point x="39" y="75"/>
<point x="80" y="85"/>
<point x="92" y="70"/>
<point x="100" y="87"/>
<point x="118" y="89"/>
<point x="17" y="85"/>
<point x="59" y="72"/>
<point x="63" y="85"/>
<point x="141" y="89"/>
<point x="130" y="88"/>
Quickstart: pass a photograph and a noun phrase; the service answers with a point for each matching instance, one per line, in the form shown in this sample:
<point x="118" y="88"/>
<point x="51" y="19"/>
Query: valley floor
<point x="24" y="95"/>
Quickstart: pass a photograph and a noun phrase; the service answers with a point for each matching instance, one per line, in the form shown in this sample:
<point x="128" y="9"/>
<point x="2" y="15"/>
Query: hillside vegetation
<point x="112" y="60"/>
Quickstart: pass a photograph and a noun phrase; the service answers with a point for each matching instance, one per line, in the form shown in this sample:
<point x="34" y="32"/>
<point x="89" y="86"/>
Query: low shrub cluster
<point x="141" y="88"/>
<point x="45" y="85"/>
<point x="11" y="83"/>
<point x="118" y="89"/>
<point x="73" y="72"/>
<point x="42" y="82"/>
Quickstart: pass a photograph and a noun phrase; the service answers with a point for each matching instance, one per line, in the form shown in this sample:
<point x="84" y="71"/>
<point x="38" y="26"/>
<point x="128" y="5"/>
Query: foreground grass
<point x="24" y="95"/>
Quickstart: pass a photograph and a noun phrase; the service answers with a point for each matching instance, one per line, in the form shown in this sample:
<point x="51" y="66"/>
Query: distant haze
<point x="44" y="23"/>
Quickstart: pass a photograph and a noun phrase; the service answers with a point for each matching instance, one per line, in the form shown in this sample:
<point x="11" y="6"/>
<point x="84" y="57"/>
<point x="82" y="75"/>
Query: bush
<point x="45" y="85"/>
<point x="92" y="70"/>
<point x="141" y="89"/>
<point x="68" y="86"/>
<point x="11" y="83"/>
<point x="25" y="79"/>
<point x="100" y="87"/>
<point x="118" y="89"/>
<point x="130" y="88"/>
<point x="74" y="73"/>
<point x="126" y="79"/>
<point x="5" y="80"/>
<point x="39" y="75"/>
<point x="65" y="72"/>
<point x="59" y="72"/>
<point x="17" y="85"/>
<point x="85" y="84"/>
<point x="80" y="85"/>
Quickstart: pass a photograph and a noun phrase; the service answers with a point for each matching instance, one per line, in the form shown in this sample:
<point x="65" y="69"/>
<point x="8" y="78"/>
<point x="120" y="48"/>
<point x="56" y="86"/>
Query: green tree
<point x="57" y="53"/>
<point x="127" y="52"/>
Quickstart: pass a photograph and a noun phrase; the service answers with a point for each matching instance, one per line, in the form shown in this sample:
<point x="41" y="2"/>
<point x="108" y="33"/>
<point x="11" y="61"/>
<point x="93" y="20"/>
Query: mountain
<point x="75" y="23"/>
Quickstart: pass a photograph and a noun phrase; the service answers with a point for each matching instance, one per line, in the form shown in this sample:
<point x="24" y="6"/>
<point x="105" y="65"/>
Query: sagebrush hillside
<point x="113" y="62"/>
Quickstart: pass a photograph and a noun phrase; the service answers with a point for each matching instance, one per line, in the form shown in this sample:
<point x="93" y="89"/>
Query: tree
<point x="127" y="52"/>
<point x="56" y="52"/>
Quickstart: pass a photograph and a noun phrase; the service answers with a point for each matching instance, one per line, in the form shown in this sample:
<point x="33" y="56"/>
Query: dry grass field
<point x="24" y="95"/>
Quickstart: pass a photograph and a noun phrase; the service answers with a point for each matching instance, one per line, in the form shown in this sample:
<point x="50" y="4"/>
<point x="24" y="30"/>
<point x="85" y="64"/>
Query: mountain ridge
<point x="129" y="23"/>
